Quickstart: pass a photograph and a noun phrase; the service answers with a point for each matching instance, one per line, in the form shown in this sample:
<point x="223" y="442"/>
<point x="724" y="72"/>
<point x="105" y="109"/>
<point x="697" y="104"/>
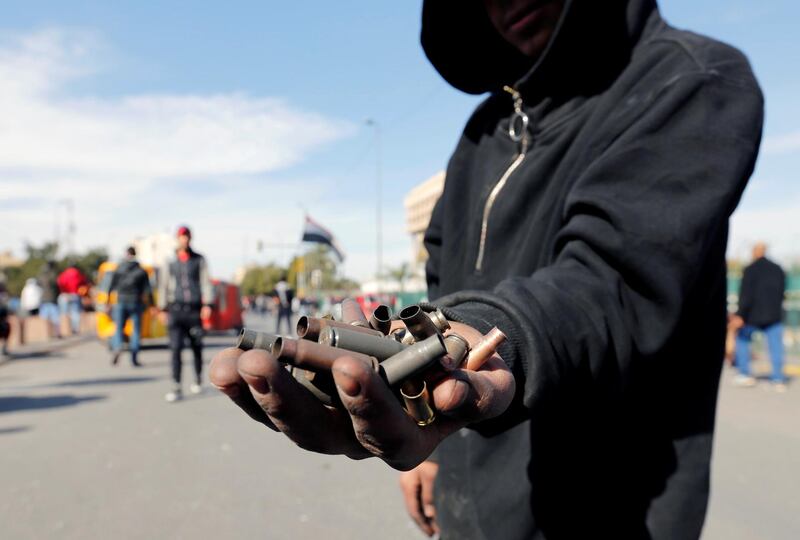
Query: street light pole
<point x="378" y="205"/>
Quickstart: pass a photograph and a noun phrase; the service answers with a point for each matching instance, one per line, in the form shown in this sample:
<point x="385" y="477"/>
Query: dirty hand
<point x="372" y="422"/>
<point x="417" y="488"/>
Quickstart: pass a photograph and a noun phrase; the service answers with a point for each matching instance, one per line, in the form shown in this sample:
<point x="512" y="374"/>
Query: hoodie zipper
<point x="518" y="131"/>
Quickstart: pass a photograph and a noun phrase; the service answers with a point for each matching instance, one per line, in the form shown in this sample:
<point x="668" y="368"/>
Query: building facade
<point x="419" y="205"/>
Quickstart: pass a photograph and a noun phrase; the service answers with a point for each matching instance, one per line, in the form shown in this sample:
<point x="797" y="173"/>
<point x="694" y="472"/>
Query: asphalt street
<point x="93" y="451"/>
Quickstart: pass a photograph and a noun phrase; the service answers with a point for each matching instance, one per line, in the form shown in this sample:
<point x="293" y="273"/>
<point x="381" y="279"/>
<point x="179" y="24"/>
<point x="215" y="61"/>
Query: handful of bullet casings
<point x="407" y="358"/>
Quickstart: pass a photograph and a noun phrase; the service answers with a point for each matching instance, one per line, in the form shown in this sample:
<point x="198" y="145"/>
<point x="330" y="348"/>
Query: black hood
<point x="127" y="264"/>
<point x="590" y="45"/>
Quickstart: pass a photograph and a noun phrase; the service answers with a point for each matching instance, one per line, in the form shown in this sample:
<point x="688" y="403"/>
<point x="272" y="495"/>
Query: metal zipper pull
<point x="518" y="124"/>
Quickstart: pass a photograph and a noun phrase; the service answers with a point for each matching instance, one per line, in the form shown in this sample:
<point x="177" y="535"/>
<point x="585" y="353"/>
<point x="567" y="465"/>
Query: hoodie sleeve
<point x="637" y="228"/>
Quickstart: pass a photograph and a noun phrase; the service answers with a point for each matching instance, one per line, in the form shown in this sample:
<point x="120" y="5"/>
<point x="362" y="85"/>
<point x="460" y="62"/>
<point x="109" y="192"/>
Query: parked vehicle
<point x="227" y="312"/>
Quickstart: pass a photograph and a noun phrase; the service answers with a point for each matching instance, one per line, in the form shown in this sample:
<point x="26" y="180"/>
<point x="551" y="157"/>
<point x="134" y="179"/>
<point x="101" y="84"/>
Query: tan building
<point x="419" y="205"/>
<point x="7" y="260"/>
<point x="155" y="250"/>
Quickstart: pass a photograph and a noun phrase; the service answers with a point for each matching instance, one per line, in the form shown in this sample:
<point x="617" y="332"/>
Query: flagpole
<point x="378" y="206"/>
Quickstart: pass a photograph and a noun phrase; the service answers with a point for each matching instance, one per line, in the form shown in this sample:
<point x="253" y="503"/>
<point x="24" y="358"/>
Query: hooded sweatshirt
<point x="132" y="283"/>
<point x="585" y="214"/>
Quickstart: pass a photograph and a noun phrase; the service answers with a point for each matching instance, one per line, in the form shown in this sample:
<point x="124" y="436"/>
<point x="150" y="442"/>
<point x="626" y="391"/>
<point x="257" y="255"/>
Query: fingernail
<point x="259" y="384"/>
<point x="429" y="512"/>
<point x="348" y="384"/>
<point x="231" y="391"/>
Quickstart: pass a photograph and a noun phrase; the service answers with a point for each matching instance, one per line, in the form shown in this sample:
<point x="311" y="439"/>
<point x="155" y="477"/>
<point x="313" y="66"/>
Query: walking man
<point x="283" y="296"/>
<point x="133" y="289"/>
<point x="760" y="309"/>
<point x="70" y="282"/>
<point x="185" y="299"/>
<point x="48" y="280"/>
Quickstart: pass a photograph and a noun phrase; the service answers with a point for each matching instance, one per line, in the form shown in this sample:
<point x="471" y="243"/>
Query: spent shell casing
<point x="412" y="360"/>
<point x="312" y="356"/>
<point x="253" y="339"/>
<point x="418" y="323"/>
<point x="344" y="338"/>
<point x="485" y="348"/>
<point x="309" y="328"/>
<point x="417" y="401"/>
<point x="352" y="314"/>
<point x="439" y="320"/>
<point x="457" y="350"/>
<point x="381" y="319"/>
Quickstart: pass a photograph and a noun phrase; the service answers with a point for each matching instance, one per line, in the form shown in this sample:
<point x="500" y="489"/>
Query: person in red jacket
<point x="70" y="282"/>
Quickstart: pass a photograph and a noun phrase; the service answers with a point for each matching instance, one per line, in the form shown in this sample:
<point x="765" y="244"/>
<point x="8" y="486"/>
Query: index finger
<point x="224" y="375"/>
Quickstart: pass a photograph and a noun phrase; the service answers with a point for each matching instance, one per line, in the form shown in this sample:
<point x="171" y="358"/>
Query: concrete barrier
<point x="28" y="330"/>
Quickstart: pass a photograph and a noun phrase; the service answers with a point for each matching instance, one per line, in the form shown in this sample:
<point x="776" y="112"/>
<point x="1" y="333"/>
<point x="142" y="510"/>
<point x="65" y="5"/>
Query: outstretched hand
<point x="372" y="422"/>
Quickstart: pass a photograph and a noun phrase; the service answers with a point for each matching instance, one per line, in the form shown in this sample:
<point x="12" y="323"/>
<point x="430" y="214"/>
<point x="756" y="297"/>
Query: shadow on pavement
<point x="103" y="381"/>
<point x="38" y="355"/>
<point x="23" y="403"/>
<point x="15" y="429"/>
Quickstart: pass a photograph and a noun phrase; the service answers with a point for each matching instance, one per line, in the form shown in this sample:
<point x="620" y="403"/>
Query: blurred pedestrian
<point x="134" y="293"/>
<point x="30" y="299"/>
<point x="760" y="310"/>
<point x="48" y="280"/>
<point x="5" y="327"/>
<point x="71" y="282"/>
<point x="283" y="296"/>
<point x="185" y="299"/>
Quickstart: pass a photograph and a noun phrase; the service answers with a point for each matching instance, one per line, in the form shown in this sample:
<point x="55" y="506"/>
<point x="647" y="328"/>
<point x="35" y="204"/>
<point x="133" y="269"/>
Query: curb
<point x="45" y="347"/>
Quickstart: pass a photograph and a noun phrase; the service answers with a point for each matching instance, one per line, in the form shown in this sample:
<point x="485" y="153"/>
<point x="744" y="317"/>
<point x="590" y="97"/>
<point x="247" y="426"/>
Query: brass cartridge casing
<point x="418" y="404"/>
<point x="439" y="320"/>
<point x="485" y="348"/>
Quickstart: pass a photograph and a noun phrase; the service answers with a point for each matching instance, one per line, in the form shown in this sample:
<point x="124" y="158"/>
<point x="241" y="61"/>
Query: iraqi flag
<point x="314" y="232"/>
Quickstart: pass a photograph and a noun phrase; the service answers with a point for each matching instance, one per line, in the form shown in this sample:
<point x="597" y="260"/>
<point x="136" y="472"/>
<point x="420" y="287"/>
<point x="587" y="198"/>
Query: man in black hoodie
<point x="585" y="214"/>
<point x="133" y="293"/>
<point x="761" y="309"/>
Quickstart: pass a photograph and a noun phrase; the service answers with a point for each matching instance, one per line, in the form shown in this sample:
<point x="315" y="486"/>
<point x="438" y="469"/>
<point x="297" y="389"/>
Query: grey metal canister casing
<point x="342" y="338"/>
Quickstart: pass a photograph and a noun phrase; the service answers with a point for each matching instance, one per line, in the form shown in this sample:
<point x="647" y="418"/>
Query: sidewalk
<point x="37" y="341"/>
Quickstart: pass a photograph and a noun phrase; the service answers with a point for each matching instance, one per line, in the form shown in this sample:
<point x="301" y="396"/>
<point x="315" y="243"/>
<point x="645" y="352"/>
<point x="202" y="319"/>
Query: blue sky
<point x="235" y="117"/>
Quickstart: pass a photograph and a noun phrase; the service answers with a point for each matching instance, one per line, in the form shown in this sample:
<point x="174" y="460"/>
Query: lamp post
<point x="378" y="209"/>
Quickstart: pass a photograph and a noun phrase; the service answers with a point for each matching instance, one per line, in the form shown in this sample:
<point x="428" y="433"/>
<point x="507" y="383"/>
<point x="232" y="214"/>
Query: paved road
<point x="91" y="451"/>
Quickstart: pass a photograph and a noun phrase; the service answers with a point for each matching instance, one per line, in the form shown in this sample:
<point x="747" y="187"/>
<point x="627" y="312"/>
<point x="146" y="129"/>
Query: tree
<point x="38" y="256"/>
<point x="261" y="279"/>
<point x="318" y="269"/>
<point x="400" y="274"/>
